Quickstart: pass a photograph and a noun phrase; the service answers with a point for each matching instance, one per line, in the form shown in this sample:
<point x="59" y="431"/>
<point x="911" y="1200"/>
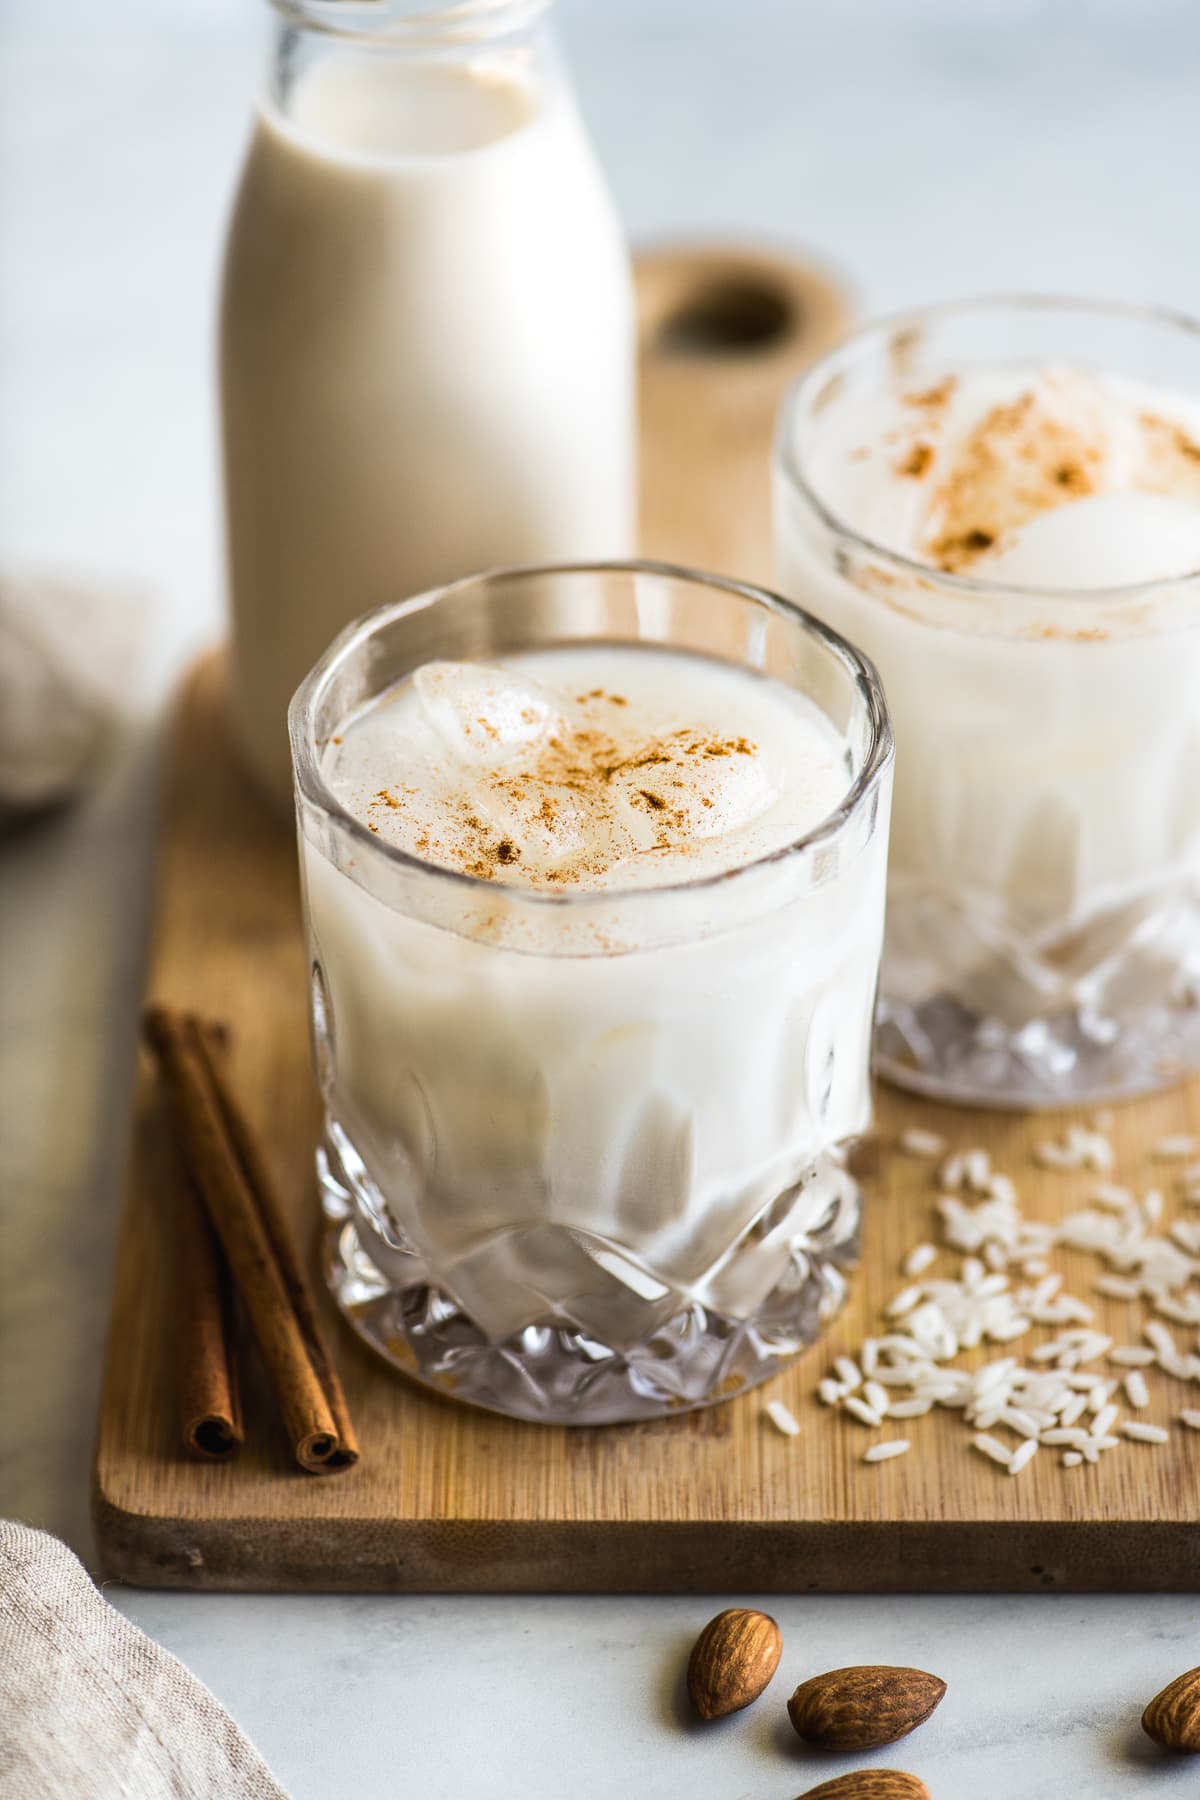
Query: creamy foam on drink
<point x="590" y="768"/>
<point x="1050" y="477"/>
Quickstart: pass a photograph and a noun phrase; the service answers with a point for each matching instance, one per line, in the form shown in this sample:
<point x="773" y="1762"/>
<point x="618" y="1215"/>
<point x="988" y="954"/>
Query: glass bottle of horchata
<point x="427" y="350"/>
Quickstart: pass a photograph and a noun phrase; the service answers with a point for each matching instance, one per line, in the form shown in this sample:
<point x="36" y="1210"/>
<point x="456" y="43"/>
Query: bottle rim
<point x="403" y="22"/>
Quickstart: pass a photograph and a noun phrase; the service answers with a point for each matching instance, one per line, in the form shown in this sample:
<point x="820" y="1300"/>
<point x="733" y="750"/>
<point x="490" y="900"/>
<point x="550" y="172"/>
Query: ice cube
<point x="483" y="714"/>
<point x="700" y="796"/>
<point x="546" y="820"/>
<point x="1106" y="540"/>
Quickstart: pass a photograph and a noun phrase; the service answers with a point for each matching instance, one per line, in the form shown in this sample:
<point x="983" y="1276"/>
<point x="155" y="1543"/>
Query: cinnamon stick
<point x="209" y="1391"/>
<point x="244" y="1209"/>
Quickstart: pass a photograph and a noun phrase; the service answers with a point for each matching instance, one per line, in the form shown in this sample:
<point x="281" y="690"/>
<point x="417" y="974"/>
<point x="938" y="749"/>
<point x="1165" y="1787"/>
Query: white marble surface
<point x="927" y="148"/>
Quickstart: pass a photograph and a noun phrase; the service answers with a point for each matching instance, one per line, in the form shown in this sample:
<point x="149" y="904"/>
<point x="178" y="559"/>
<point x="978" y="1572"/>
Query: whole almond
<point x="732" y="1661"/>
<point x="859" y="1708"/>
<point x="1172" y="1718"/>
<point x="870" y="1784"/>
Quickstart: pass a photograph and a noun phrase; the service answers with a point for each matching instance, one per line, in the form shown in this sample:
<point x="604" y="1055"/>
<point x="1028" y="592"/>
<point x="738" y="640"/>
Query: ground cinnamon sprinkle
<point x="1174" y="456"/>
<point x="933" y="398"/>
<point x="1022" y="459"/>
<point x="568" y="785"/>
<point x="917" y="460"/>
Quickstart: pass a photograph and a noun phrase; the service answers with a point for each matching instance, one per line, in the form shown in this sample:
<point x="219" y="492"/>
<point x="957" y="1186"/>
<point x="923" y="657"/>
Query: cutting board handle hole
<point x="728" y="317"/>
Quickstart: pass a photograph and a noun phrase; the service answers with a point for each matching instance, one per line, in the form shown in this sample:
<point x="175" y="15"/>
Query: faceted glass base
<point x="554" y="1372"/>
<point x="945" y="1051"/>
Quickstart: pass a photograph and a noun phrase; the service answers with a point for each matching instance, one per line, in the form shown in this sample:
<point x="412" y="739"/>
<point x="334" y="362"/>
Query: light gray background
<point x="925" y="147"/>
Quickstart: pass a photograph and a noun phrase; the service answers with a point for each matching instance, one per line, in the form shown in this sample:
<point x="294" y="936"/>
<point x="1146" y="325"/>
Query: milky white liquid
<point x="1048" y="748"/>
<point x="569" y="1058"/>
<point x="426" y="355"/>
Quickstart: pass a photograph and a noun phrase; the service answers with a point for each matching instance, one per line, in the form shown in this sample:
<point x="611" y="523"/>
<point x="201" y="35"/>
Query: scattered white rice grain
<point x="1089" y="1451"/>
<point x="951" y="1173"/>
<point x="922" y="1143"/>
<point x="994" y="1256"/>
<point x="1131" y="1356"/>
<point x="1057" y="1156"/>
<point x="1099" y="1397"/>
<point x="977" y="1170"/>
<point x="1025" y="1455"/>
<point x="885" y="1452"/>
<point x="1096" y="1151"/>
<point x="1018" y="1420"/>
<point x="896" y="1346"/>
<point x="1117" y="1287"/>
<point x="910" y="1409"/>
<point x="919" y="1259"/>
<point x="1004" y="1334"/>
<point x="1191" y="1419"/>
<point x="848" y="1371"/>
<point x="1102" y="1443"/>
<point x="828" y="1392"/>
<point x="992" y="1447"/>
<point x="903" y="1303"/>
<point x="1152" y="1205"/>
<point x="1070" y="1459"/>
<point x="1078" y="1309"/>
<point x="1113" y="1198"/>
<point x="1105" y="1419"/>
<point x="1141" y="1433"/>
<point x="782" y="1418"/>
<point x="1136" y="1391"/>
<point x="1034" y="1268"/>
<point x="1175" y="1149"/>
<point x="1059" y="1434"/>
<point x="877" y="1397"/>
<point x="858" y="1409"/>
<point x="1074" y="1409"/>
<point x="1157" y="1335"/>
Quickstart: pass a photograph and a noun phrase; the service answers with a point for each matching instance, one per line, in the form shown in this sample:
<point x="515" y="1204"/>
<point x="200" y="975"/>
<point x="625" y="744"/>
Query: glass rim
<point x="311" y="785"/>
<point x="798" y="400"/>
<point x="379" y="22"/>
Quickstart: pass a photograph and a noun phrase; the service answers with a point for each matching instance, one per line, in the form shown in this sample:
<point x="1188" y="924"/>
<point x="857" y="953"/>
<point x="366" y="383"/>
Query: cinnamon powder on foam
<point x="576" y="767"/>
<point x="1022" y="459"/>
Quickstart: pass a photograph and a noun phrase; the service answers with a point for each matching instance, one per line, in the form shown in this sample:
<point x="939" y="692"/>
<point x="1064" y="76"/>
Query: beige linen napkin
<point x="90" y="1708"/>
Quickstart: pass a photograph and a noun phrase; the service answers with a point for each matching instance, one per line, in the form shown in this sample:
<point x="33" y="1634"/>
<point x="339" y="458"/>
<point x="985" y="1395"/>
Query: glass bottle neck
<point x="427" y="91"/>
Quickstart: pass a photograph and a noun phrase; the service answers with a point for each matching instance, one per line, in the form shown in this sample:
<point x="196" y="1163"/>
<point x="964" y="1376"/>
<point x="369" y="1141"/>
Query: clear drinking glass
<point x="582" y="1153"/>
<point x="1043" y="927"/>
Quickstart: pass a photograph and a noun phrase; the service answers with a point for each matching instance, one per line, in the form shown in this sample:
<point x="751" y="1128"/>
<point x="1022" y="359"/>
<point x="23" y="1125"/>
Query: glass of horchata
<point x="1000" y="502"/>
<point x="594" y="873"/>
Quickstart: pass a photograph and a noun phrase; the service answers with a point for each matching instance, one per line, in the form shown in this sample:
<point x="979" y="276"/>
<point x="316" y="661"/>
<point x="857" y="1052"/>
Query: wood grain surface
<point x="450" y="1498"/>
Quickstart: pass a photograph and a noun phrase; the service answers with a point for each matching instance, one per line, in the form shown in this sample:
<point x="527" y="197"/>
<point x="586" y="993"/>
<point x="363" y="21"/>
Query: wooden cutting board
<point x="449" y="1498"/>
